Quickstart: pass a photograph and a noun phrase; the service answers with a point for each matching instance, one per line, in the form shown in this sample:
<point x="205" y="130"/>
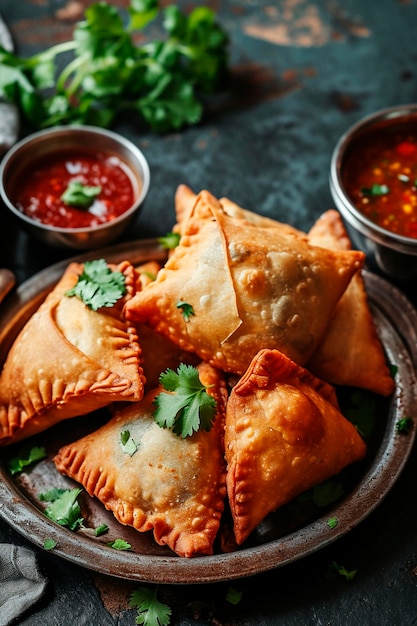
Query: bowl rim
<point x="349" y="211"/>
<point x="77" y="129"/>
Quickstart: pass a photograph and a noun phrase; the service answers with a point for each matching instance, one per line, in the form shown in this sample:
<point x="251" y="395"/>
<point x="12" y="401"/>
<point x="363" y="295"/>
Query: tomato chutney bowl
<point x="74" y="187"/>
<point x="373" y="182"/>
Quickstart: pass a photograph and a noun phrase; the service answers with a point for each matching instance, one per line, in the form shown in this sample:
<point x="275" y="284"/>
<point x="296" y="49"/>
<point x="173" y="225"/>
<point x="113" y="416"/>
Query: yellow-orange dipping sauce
<point x="380" y="178"/>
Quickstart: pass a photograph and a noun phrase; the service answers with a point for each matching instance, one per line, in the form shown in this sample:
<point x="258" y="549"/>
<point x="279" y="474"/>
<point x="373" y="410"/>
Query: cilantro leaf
<point x="101" y="530"/>
<point x="26" y="458"/>
<point x="98" y="286"/>
<point x="170" y="240"/>
<point x="79" y="195"/>
<point x="49" y="544"/>
<point x="129" y="446"/>
<point x="187" y="310"/>
<point x="151" y="612"/>
<point x="65" y="510"/>
<point x="404" y="425"/>
<point x="233" y="596"/>
<point x="119" y="544"/>
<point x="341" y="569"/>
<point x="332" y="522"/>
<point x="187" y="407"/>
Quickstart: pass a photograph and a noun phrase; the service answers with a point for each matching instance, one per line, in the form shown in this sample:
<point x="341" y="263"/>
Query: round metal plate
<point x="273" y="545"/>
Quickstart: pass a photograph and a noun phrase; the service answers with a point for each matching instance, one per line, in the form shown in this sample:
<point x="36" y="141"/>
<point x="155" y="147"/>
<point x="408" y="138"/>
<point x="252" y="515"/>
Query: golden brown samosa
<point x="284" y="434"/>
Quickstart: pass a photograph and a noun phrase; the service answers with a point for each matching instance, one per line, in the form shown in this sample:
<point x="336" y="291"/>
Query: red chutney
<point x="40" y="188"/>
<point x="380" y="178"/>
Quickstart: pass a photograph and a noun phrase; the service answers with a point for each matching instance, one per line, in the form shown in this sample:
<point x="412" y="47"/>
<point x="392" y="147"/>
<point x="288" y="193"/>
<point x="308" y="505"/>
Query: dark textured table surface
<point x="302" y="71"/>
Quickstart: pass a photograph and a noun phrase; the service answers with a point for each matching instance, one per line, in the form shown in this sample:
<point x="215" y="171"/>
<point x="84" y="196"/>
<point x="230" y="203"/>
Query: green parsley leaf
<point x="404" y="425"/>
<point x="340" y="569"/>
<point x="98" y="286"/>
<point x="187" y="310"/>
<point x="28" y="457"/>
<point x="101" y="530"/>
<point x="151" y="612"/>
<point x="128" y="444"/>
<point x="332" y="522"/>
<point x="375" y="190"/>
<point x="79" y="195"/>
<point x="233" y="596"/>
<point x="65" y="510"/>
<point x="187" y="407"/>
<point x="49" y="544"/>
<point x="119" y="544"/>
<point x="170" y="240"/>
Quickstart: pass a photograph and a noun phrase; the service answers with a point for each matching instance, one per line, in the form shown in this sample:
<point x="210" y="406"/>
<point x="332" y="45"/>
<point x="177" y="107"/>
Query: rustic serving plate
<point x="285" y="536"/>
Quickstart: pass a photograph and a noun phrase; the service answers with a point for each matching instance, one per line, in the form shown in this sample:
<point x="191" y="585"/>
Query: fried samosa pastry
<point x="172" y="485"/>
<point x="185" y="200"/>
<point x="284" y="434"/>
<point x="231" y="288"/>
<point x="69" y="360"/>
<point x="351" y="352"/>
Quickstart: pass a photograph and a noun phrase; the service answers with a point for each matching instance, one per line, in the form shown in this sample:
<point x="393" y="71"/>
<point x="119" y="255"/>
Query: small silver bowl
<point x="56" y="140"/>
<point x="392" y="254"/>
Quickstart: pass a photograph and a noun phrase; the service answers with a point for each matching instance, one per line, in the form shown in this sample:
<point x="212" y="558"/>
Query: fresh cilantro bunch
<point x="187" y="407"/>
<point x="161" y="82"/>
<point x="98" y="286"/>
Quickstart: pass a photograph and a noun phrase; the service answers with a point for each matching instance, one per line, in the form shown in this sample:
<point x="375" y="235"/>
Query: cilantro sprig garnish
<point x="98" y="285"/>
<point x="79" y="195"/>
<point x="185" y="406"/>
<point x="102" y="72"/>
<point x="26" y="458"/>
<point x="64" y="508"/>
<point x="151" y="612"/>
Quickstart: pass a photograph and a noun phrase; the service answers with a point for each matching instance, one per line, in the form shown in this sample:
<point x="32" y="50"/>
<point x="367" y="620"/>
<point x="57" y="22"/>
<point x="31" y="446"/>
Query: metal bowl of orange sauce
<point x="373" y="182"/>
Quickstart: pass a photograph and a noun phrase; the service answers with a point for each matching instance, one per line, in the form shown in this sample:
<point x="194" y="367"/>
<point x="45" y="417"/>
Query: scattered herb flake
<point x="342" y="571"/>
<point x="98" y="285"/>
<point x="51" y="495"/>
<point x="128" y="444"/>
<point x="119" y="544"/>
<point x="151" y="612"/>
<point x="170" y="240"/>
<point x="26" y="458"/>
<point x="404" y="425"/>
<point x="187" y="407"/>
<point x="65" y="510"/>
<point x="332" y="522"/>
<point x="101" y="530"/>
<point x="393" y="369"/>
<point x="49" y="544"/>
<point x="187" y="310"/>
<point x="375" y="190"/>
<point x="79" y="195"/>
<point x="233" y="596"/>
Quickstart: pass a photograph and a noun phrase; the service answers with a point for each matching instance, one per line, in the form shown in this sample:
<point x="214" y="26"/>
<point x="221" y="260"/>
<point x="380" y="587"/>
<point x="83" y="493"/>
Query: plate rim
<point x="22" y="515"/>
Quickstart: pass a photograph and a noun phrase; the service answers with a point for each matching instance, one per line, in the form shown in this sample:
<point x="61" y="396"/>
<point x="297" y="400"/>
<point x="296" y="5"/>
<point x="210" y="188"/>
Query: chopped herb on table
<point x="162" y="82"/>
<point x="151" y="612"/>
<point x="404" y="425"/>
<point x="119" y="544"/>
